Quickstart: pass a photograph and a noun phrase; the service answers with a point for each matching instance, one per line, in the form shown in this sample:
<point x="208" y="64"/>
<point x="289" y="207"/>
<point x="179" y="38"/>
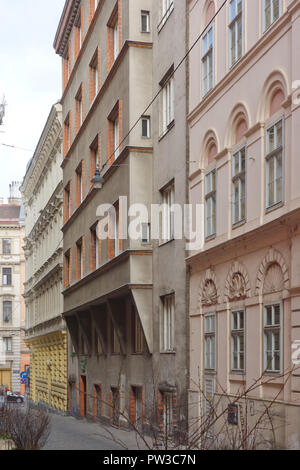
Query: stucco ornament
<point x="274" y="281"/>
<point x="237" y="287"/>
<point x="209" y="293"/>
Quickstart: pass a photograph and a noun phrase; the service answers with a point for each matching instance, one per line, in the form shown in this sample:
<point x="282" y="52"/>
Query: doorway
<point x="83" y="396"/>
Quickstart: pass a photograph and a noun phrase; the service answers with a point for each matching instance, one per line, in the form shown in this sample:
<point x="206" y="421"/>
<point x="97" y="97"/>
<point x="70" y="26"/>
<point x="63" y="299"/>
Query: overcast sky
<point x="30" y="78"/>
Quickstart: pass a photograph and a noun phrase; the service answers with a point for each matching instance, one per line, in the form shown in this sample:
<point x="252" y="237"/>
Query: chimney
<point x="15" y="197"/>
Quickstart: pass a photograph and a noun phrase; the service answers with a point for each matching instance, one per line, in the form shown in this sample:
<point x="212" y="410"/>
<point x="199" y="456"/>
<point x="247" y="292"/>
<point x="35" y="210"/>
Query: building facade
<point x="14" y="355"/>
<point x="46" y="335"/>
<point x="121" y="365"/>
<point x="244" y="273"/>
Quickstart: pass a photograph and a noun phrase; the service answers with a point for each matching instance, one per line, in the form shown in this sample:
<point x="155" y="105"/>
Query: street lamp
<point x="97" y="180"/>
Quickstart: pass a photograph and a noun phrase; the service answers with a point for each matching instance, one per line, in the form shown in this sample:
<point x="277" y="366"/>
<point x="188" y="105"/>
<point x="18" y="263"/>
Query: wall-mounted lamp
<point x="98" y="180"/>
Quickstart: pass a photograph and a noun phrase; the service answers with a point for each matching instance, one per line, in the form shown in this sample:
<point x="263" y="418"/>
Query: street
<point x="68" y="433"/>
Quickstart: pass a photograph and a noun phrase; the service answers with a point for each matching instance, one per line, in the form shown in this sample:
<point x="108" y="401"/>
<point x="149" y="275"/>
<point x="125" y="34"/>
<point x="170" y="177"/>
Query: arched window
<point x="208" y="50"/>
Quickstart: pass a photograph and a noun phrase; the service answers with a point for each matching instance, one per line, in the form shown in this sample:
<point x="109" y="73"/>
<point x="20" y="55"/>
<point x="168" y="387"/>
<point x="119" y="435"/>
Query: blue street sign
<point x="24" y="375"/>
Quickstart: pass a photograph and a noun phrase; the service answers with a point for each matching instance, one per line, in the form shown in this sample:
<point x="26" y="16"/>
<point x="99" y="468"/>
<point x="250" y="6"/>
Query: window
<point x="7" y="311"/>
<point x="98" y="345"/>
<point x="274" y="156"/>
<point x="235" y="31"/>
<point x="210" y="204"/>
<point x="145" y="232"/>
<point x="78" y="34"/>
<point x="271" y="12"/>
<point x="167" y="8"/>
<point x="272" y="337"/>
<point x="94" y="76"/>
<point x="68" y="201"/>
<point x="207" y="62"/>
<point x="210" y="341"/>
<point x="168" y="196"/>
<point x="6" y="276"/>
<point x="79" y="108"/>
<point x="145" y="22"/>
<point x="167" y="337"/>
<point x="6" y="247"/>
<point x="98" y="398"/>
<point x="67" y="66"/>
<point x="68" y="268"/>
<point x="80" y="258"/>
<point x="79" y="184"/>
<point x="94" y="260"/>
<point x="146" y="126"/>
<point x="137" y="333"/>
<point x="116" y="40"/>
<point x="167" y="104"/>
<point x="168" y="413"/>
<point x="113" y="36"/>
<point x="239" y="186"/>
<point x="94" y="151"/>
<point x="67" y="134"/>
<point x="116" y="137"/>
<point x="238" y="340"/>
<point x="7" y="344"/>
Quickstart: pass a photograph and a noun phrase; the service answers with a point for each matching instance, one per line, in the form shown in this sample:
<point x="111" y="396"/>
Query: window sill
<point x="165" y="132"/>
<point x="210" y="238"/>
<point x="168" y="352"/>
<point x="274" y="207"/>
<point x="165" y="19"/>
<point x="166" y="243"/>
<point x="238" y="224"/>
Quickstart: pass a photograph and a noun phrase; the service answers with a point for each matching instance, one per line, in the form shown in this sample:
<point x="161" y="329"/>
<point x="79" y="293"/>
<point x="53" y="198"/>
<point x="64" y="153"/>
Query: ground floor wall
<point x="48" y="370"/>
<point x="245" y="330"/>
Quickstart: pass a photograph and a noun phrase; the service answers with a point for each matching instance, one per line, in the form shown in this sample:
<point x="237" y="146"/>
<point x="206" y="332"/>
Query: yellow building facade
<point x="46" y="334"/>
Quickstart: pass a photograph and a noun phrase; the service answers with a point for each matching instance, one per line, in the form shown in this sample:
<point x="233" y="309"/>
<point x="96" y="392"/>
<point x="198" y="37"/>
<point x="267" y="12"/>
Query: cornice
<point x="65" y="25"/>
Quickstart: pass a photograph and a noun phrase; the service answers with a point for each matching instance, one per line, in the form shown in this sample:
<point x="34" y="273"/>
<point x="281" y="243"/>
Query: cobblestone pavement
<point x="68" y="433"/>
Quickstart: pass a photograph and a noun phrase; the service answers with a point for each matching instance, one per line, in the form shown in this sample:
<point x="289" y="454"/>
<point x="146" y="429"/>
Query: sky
<point x="30" y="79"/>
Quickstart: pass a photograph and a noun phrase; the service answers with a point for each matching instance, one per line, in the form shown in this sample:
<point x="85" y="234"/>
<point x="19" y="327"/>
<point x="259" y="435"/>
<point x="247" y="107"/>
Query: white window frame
<point x="145" y="14"/>
<point x="233" y="24"/>
<point x="238" y="332"/>
<point x="278" y="150"/>
<point x="210" y="203"/>
<point x="273" y="328"/>
<point x="116" y="137"/>
<point x="148" y="133"/>
<point x="166" y="10"/>
<point x="8" y="344"/>
<point x="208" y="59"/>
<point x="168" y="197"/>
<point x="272" y="17"/>
<point x="116" y="39"/>
<point x="167" y="104"/>
<point x="239" y="176"/>
<point x="167" y="323"/>
<point x="210" y="330"/>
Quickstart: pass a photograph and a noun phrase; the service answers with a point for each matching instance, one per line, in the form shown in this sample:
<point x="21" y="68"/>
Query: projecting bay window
<point x="207" y="62"/>
<point x="210" y="341"/>
<point x="238" y="340"/>
<point x="210" y="204"/>
<point x="274" y="164"/>
<point x="272" y="337"/>
<point x="236" y="31"/>
<point x="271" y="12"/>
<point x="168" y="196"/>
<point x="239" y="186"/>
<point x="167" y="323"/>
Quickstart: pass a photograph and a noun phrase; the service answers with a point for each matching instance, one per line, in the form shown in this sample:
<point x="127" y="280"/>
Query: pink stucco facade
<point x="249" y="260"/>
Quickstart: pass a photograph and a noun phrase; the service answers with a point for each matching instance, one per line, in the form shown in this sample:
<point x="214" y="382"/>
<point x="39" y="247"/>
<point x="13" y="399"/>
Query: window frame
<point x="9" y="245"/>
<point x="272" y="328"/>
<point x="168" y="323"/>
<point x="204" y="56"/>
<point x="237" y="332"/>
<point x="168" y="104"/>
<point x="238" y="177"/>
<point x="210" y="195"/>
<point x="268" y="157"/>
<point x="272" y="20"/>
<point x="210" y="335"/>
<point x="168" y="215"/>
<point x="9" y="315"/>
<point x="7" y="275"/>
<point x="146" y="14"/>
<point x="234" y="22"/>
